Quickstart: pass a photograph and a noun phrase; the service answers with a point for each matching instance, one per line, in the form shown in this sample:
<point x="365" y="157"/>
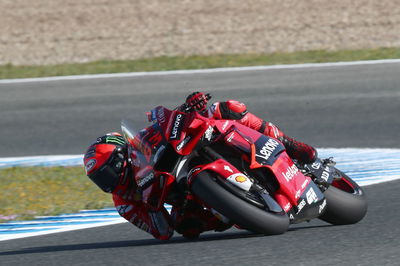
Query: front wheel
<point x="346" y="201"/>
<point x="240" y="212"/>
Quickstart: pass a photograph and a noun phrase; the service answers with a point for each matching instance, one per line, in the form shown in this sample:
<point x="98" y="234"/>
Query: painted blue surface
<point x="54" y="223"/>
<point x="23" y="231"/>
<point x="58" y="160"/>
<point x="365" y="166"/>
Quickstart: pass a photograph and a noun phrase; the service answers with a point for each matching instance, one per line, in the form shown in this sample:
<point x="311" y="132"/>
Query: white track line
<point x="199" y="71"/>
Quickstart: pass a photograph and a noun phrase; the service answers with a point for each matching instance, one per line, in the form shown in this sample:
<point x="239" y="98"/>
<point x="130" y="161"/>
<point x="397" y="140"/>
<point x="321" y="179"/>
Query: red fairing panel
<point x="223" y="168"/>
<point x="292" y="182"/>
<point x="182" y="136"/>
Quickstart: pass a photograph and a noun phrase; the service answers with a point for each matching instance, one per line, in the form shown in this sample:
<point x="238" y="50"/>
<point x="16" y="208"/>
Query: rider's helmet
<point x="198" y="100"/>
<point x="106" y="160"/>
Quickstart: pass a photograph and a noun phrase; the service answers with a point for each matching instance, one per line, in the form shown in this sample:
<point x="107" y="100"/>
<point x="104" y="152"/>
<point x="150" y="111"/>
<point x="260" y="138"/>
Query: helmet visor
<point x="107" y="176"/>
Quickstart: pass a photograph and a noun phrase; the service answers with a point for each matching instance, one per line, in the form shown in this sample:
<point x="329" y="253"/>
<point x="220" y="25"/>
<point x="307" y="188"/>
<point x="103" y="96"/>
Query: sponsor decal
<point x="298" y="193"/>
<point x="322" y="206"/>
<point x="301" y="206"/>
<point x="316" y="165"/>
<point x="267" y="149"/>
<point x="240" y="179"/>
<point x="225" y="125"/>
<point x="90" y="165"/>
<point x="231" y="137"/>
<point x="211" y="110"/>
<point x="180" y="146"/>
<point x="208" y="133"/>
<point x="153" y="115"/>
<point x="146" y="181"/>
<point x="274" y="129"/>
<point x="325" y="174"/>
<point x="115" y="140"/>
<point x="176" y="127"/>
<point x="227" y="168"/>
<point x="311" y="196"/>
<point x="291" y="217"/>
<point x="290" y="173"/>
<point x="161" y="115"/>
<point x="183" y="143"/>
<point x="304" y="184"/>
<point x="91" y="152"/>
<point x="193" y="171"/>
<point x="287" y="207"/>
<point x="213" y="107"/>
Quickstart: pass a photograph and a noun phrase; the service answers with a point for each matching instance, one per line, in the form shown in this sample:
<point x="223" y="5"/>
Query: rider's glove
<point x="198" y="101"/>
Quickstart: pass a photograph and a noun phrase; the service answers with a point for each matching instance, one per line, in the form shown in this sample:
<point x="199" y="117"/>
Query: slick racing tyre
<point x="346" y="201"/>
<point x="240" y="212"/>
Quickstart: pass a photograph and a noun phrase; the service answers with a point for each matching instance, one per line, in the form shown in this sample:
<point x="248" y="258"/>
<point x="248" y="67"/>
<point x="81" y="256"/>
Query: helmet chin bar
<point x="107" y="176"/>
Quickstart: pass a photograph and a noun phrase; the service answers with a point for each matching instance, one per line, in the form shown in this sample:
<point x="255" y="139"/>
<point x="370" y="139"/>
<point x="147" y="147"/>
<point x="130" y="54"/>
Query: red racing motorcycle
<point x="244" y="177"/>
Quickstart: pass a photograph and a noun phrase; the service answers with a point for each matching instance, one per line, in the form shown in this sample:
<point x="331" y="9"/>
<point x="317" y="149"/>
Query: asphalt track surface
<point x="352" y="106"/>
<point x="348" y="106"/>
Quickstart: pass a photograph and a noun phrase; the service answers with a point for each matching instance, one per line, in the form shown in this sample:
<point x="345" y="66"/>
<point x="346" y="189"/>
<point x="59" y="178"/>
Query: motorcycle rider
<point x="108" y="163"/>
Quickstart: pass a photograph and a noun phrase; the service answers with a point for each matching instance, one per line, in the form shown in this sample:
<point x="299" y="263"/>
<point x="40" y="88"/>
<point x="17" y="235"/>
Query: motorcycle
<point x="242" y="176"/>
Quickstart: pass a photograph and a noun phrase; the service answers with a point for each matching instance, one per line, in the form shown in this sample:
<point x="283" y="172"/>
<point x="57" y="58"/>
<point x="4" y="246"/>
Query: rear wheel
<point x="346" y="202"/>
<point x="239" y="211"/>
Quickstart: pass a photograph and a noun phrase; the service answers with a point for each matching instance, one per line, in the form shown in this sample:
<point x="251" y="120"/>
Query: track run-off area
<point x="365" y="166"/>
<point x="351" y="108"/>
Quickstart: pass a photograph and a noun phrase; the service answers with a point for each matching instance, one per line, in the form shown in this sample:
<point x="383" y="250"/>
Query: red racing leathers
<point x="128" y="202"/>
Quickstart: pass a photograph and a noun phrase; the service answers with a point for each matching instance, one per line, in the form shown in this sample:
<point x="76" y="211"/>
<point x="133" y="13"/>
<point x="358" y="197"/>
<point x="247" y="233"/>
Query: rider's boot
<point x="300" y="151"/>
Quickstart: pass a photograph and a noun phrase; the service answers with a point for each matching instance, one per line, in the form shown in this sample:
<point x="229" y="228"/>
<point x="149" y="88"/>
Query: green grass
<point x="32" y="191"/>
<point x="196" y="62"/>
